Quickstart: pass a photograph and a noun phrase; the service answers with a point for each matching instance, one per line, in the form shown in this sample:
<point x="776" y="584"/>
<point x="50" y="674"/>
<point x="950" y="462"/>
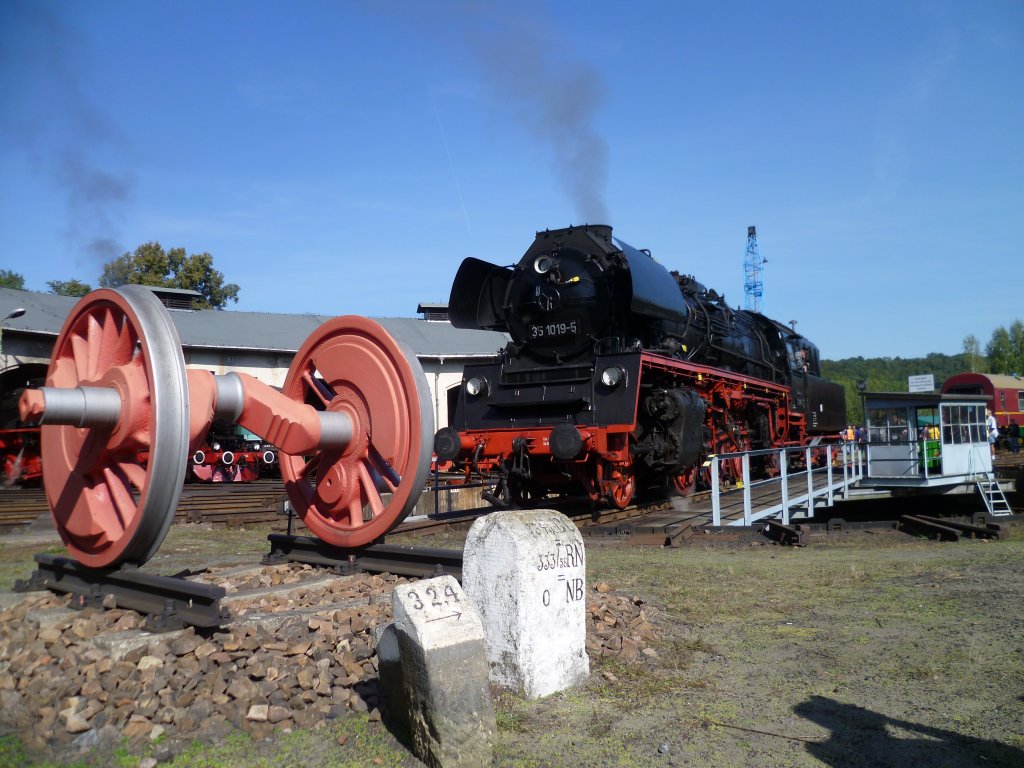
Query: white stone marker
<point x="444" y="671"/>
<point x="525" y="571"/>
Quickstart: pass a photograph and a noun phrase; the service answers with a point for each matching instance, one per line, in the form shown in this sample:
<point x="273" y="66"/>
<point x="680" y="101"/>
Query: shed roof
<point x="259" y="331"/>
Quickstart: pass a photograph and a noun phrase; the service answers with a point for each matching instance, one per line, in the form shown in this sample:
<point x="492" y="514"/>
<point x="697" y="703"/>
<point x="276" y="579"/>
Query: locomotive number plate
<point x="553" y="329"/>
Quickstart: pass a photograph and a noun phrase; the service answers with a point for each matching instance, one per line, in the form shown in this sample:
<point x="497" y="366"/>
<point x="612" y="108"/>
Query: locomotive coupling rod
<point x="293" y="427"/>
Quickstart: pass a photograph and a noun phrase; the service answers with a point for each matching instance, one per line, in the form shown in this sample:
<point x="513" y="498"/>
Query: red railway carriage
<point x="1005" y="393"/>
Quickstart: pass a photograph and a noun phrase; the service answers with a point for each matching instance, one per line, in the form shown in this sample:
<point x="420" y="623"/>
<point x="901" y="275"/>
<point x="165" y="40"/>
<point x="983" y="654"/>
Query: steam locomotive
<point x="621" y="375"/>
<point x="231" y="454"/>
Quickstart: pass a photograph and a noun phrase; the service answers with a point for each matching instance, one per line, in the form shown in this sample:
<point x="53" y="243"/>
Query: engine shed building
<point x="258" y="343"/>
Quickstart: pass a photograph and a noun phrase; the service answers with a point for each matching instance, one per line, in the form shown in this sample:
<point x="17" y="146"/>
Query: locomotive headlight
<point x="612" y="376"/>
<point x="476" y="386"/>
<point x="544" y="264"/>
<point x="216" y="446"/>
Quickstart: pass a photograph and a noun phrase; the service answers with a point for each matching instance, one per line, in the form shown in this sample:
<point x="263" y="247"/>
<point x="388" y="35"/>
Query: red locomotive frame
<point x="605" y="466"/>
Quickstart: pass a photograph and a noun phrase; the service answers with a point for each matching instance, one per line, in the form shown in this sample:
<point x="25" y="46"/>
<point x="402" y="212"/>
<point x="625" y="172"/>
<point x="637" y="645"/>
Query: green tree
<point x="9" y="279"/>
<point x="1005" y="349"/>
<point x="1017" y="344"/>
<point x="972" y="353"/>
<point x="887" y="374"/>
<point x="150" y="264"/>
<point x="72" y="287"/>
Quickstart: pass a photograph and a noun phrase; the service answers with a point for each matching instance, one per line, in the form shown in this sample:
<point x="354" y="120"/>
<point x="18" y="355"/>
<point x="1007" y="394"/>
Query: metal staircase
<point x="992" y="495"/>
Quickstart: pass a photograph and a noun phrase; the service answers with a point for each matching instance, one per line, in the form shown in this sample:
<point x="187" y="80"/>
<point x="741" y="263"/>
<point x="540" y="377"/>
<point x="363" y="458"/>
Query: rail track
<point x="264" y="500"/>
<point x="173" y="602"/>
<point x="222" y="504"/>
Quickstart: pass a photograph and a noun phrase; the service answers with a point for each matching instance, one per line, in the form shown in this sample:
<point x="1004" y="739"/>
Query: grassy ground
<point x="875" y="650"/>
<point x="860" y="650"/>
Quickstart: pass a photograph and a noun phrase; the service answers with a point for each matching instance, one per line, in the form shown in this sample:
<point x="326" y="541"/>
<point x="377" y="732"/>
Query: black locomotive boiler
<point x="621" y="374"/>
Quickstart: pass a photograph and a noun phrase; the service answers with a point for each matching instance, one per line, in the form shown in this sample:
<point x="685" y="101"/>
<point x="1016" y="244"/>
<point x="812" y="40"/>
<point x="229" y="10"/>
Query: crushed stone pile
<point x="292" y="657"/>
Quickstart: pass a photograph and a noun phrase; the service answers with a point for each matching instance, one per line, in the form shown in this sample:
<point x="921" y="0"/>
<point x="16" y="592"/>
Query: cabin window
<point x="963" y="424"/>
<point x="1002" y="401"/>
<point x="888" y="425"/>
<point x="1020" y="400"/>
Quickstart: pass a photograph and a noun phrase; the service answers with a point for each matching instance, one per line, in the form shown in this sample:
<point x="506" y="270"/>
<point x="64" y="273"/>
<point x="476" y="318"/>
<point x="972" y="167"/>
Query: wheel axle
<point x="95" y="407"/>
<point x="121" y="416"/>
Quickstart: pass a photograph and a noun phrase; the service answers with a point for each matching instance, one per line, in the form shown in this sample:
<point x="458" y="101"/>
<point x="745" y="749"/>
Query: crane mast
<point x="753" y="282"/>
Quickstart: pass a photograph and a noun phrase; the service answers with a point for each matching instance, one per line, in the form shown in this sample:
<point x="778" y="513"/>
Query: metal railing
<point x="839" y="467"/>
<point x="906" y="458"/>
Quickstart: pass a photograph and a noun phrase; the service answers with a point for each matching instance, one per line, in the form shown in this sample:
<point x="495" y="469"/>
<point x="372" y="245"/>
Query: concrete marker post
<point x="444" y="670"/>
<point x="525" y="571"/>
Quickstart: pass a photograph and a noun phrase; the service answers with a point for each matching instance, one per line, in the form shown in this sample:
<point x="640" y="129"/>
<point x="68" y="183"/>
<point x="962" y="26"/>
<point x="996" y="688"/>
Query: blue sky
<point x="344" y="157"/>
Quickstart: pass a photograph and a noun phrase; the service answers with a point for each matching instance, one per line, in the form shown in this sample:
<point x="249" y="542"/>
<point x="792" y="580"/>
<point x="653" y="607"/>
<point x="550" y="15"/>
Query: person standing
<point x="1013" y="432"/>
<point x="993" y="430"/>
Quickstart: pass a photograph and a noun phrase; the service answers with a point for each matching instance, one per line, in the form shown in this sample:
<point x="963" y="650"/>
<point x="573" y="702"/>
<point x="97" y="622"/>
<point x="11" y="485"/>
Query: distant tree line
<point x="149" y="264"/>
<point x="887" y="374"/>
<point x="1004" y="354"/>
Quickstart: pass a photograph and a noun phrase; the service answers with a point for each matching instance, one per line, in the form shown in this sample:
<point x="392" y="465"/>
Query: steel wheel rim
<point x="351" y="364"/>
<point x="623" y="491"/>
<point x="119" y="509"/>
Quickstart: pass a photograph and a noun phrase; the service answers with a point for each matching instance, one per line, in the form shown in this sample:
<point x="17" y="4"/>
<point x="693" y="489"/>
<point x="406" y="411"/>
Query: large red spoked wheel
<point x="685" y="482"/>
<point x="624" y="485"/>
<point x="350" y="497"/>
<point x="110" y="505"/>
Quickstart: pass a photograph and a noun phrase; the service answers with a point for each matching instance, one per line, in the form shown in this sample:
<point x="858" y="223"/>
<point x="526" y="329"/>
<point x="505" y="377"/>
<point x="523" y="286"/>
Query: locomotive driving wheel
<point x="114" y="469"/>
<point x="351" y="496"/>
<point x="623" y="485"/>
<point x="686" y="482"/>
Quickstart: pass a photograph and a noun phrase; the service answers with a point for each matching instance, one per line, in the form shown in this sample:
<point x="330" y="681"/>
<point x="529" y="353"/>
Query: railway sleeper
<point x="168" y="602"/>
<point x="975" y="530"/>
<point x="929" y="527"/>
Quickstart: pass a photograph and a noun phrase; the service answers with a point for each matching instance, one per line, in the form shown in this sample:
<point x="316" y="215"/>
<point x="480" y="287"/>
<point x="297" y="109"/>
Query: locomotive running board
<point x="169" y="602"/>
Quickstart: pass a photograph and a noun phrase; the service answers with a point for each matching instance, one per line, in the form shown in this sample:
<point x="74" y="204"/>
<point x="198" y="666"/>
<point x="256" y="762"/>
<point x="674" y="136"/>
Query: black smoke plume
<point x="65" y="118"/>
<point x="557" y="96"/>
